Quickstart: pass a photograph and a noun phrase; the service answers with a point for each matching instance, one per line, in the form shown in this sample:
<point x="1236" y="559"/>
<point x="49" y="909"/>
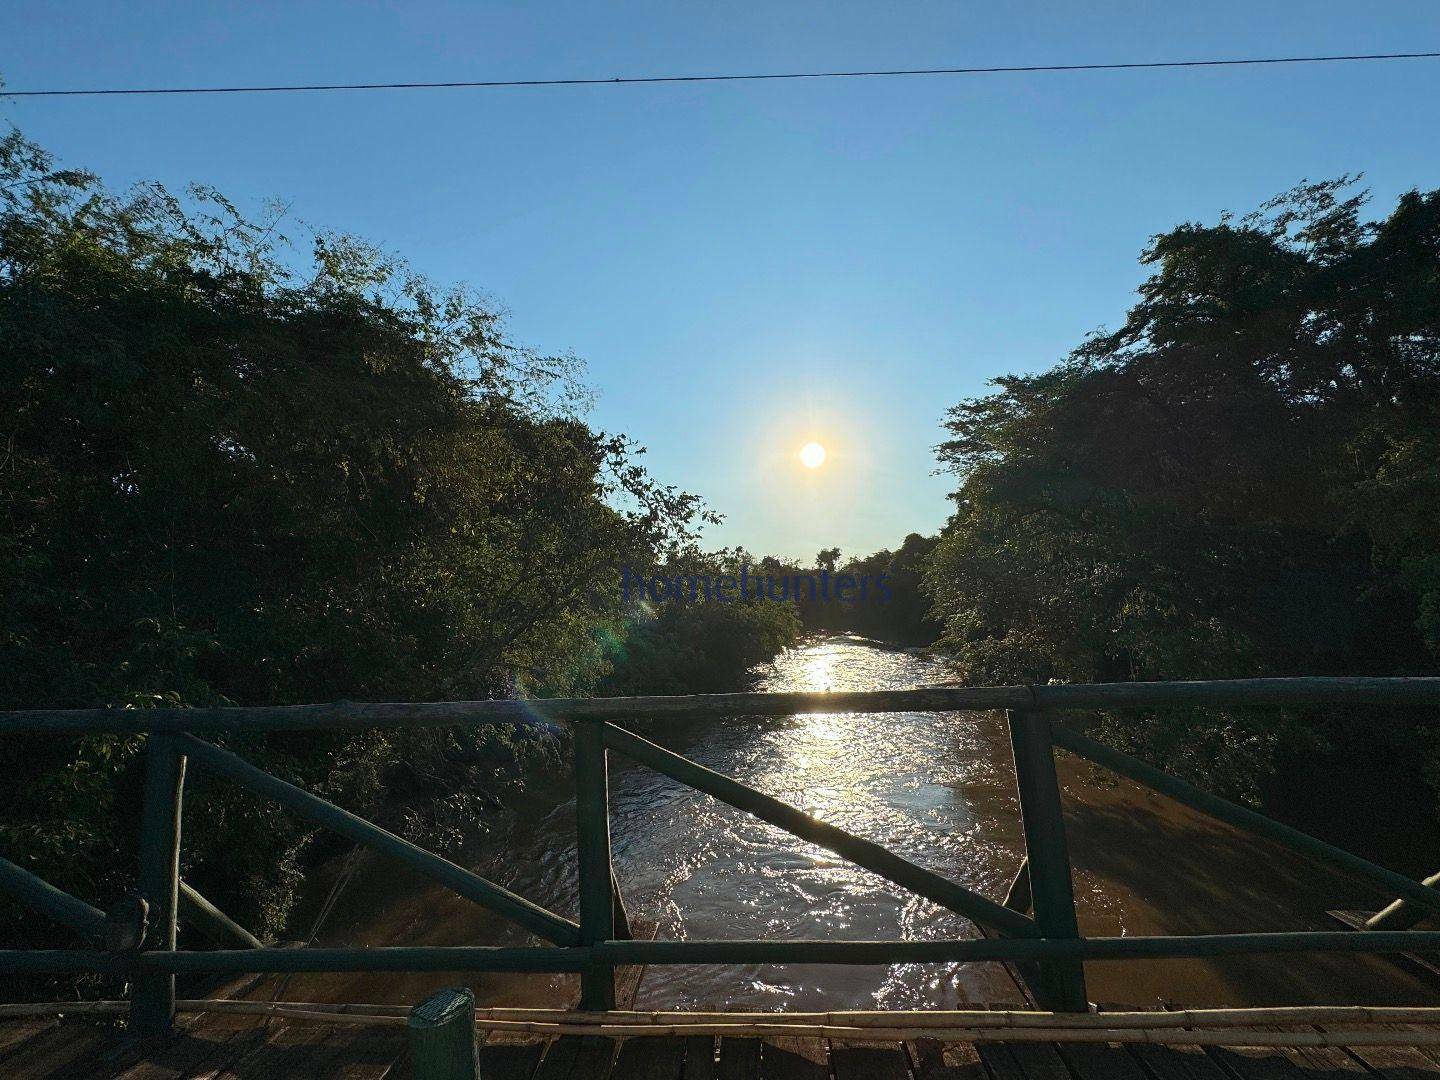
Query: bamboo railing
<point x="1036" y="923"/>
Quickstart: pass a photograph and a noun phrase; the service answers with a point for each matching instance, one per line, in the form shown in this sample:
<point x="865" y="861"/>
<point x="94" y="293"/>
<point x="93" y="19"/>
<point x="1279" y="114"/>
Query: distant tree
<point x="827" y="558"/>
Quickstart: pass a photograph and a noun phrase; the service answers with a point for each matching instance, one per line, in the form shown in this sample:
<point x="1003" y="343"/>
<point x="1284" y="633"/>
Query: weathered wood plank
<point x="931" y="1059"/>
<point x="15" y="1032"/>
<point x="869" y="1061"/>
<point x="505" y="1059"/>
<point x="1178" y="1063"/>
<point x="284" y="1054"/>
<point x="794" y="1059"/>
<point x="57" y="1051"/>
<point x="699" y="1058"/>
<point x="596" y="1055"/>
<point x="185" y="1053"/>
<point x="1285" y="1063"/>
<point x="1100" y="1061"/>
<point x="1037" y="1060"/>
<point x="348" y="1053"/>
<point x="649" y="1059"/>
<point x="739" y="1059"/>
<point x="560" y="1057"/>
<point x="1397" y="1062"/>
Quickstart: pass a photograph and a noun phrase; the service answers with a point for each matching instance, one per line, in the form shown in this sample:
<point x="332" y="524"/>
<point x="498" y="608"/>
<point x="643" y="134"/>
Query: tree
<point x="230" y="475"/>
<point x="1233" y="483"/>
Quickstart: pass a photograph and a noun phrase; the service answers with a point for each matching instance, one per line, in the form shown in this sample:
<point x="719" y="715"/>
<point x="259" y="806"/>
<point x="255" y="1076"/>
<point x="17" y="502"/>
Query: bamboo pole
<point x="1224" y="1029"/>
<point x="936" y="1018"/>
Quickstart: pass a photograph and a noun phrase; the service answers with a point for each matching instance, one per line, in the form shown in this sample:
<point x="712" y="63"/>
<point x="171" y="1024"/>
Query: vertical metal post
<point x="1062" y="982"/>
<point x="152" y="996"/>
<point x="592" y="824"/>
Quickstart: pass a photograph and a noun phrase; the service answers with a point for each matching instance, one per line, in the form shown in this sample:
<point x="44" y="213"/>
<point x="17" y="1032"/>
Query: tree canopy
<point x="1238" y="481"/>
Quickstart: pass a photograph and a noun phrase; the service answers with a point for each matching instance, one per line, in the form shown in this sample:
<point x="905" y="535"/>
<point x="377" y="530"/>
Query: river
<point x="936" y="788"/>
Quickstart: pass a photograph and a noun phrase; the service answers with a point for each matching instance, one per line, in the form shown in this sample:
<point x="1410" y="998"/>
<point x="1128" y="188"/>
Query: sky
<point x="748" y="267"/>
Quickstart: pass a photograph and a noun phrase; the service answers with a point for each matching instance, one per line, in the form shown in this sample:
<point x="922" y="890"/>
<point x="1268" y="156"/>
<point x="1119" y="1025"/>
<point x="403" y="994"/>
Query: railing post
<point x="1062" y="982"/>
<point x="592" y="824"/>
<point x="442" y="1037"/>
<point x="152" y="996"/>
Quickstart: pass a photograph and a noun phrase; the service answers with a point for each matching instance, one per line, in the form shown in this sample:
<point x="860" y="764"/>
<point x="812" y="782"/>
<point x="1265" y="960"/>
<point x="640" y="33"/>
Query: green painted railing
<point x="137" y="938"/>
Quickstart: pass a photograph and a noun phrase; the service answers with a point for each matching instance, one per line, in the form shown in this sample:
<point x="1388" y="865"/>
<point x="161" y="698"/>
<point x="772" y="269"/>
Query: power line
<point x="759" y="77"/>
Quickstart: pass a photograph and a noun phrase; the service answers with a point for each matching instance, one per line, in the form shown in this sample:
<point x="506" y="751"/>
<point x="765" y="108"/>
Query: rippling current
<point x="708" y="871"/>
<point x="937" y="788"/>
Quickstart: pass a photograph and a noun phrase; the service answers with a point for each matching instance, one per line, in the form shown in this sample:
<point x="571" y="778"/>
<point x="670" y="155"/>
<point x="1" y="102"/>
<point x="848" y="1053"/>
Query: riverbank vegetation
<point x="235" y="472"/>
<point x="1241" y="480"/>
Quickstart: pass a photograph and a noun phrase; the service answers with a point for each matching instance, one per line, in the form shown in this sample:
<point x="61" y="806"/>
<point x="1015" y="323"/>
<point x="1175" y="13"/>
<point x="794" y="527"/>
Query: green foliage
<point x="700" y="646"/>
<point x="1239" y="481"/>
<point x="230" y="474"/>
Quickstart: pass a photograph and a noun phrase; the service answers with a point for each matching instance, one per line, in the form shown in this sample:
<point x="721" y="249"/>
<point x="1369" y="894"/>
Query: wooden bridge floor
<point x="234" y="1047"/>
<point x="227" y="1048"/>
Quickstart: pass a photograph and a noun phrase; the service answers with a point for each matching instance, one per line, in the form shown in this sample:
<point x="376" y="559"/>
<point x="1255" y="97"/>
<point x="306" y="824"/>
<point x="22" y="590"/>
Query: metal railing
<point x="137" y="937"/>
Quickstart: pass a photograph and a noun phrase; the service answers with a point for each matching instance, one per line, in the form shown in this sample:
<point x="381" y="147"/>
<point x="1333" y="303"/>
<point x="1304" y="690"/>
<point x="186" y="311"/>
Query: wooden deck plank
<point x="355" y="1054"/>
<point x="284" y="1053"/>
<point x="59" y="1051"/>
<point x="1287" y="1063"/>
<point x="699" y="1058"/>
<point x="596" y="1055"/>
<point x="1397" y="1062"/>
<point x="1178" y="1062"/>
<point x="931" y="1059"/>
<point x="76" y="1050"/>
<point x="190" y="1049"/>
<point x="559" y="1059"/>
<point x="1100" y="1061"/>
<point x="794" y="1059"/>
<point x="13" y="1034"/>
<point x="510" y="1059"/>
<point x="739" y="1059"/>
<point x="659" y="1058"/>
<point x="869" y="1061"/>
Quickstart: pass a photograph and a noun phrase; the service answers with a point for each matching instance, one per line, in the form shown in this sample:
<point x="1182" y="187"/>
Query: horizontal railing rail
<point x="1034" y="925"/>
<point x="353" y="715"/>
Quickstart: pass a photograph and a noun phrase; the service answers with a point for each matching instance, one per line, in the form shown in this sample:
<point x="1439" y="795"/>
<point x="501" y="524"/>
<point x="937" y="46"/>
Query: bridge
<point x="1058" y="1033"/>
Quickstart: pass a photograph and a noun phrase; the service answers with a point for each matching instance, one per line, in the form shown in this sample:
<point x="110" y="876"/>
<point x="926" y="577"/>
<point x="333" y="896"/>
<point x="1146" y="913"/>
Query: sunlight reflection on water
<point x="713" y="872"/>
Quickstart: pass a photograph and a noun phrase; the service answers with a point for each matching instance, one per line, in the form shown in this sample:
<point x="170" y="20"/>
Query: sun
<point x="812" y="455"/>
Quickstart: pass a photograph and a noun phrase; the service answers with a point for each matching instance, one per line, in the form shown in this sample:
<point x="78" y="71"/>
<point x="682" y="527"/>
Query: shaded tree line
<point x="1239" y="481"/>
<point x="237" y="473"/>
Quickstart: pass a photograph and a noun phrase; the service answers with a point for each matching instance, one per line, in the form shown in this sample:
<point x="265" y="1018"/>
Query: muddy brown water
<point x="937" y="788"/>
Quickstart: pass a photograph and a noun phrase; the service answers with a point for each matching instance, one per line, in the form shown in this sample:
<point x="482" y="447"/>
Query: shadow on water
<point x="937" y="788"/>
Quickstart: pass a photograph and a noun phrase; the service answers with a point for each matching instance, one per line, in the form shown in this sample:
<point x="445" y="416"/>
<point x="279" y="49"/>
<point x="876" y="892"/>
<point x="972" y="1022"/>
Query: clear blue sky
<point x="747" y="266"/>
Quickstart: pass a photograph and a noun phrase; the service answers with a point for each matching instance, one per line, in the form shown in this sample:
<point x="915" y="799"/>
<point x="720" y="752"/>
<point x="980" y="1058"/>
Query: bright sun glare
<point x="812" y="455"/>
